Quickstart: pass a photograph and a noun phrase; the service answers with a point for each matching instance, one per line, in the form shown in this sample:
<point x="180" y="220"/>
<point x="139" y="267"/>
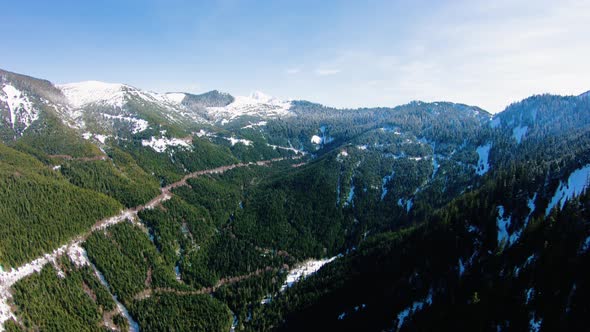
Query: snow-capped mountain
<point x="116" y="101"/>
<point x="98" y="110"/>
<point x="104" y="107"/>
<point x="257" y="104"/>
<point x="113" y="94"/>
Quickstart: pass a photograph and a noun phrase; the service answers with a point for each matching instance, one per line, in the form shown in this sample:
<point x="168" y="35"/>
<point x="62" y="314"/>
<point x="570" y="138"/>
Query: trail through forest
<point x="9" y="278"/>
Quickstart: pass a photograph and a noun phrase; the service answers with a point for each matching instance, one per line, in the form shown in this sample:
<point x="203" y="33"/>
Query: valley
<point x="124" y="209"/>
<point x="9" y="278"/>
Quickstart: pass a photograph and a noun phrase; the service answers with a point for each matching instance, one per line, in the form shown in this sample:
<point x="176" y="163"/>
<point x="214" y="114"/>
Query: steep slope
<point x="427" y="210"/>
<point x="492" y="252"/>
<point x="257" y="106"/>
<point x="110" y="109"/>
<point x="40" y="210"/>
<point x="22" y="100"/>
<point x="541" y="116"/>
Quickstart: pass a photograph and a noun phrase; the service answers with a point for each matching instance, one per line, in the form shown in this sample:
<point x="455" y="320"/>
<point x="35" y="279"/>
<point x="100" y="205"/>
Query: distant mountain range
<point x="422" y="216"/>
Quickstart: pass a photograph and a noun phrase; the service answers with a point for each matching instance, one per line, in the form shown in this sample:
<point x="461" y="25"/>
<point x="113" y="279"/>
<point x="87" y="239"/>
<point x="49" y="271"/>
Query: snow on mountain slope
<point x="257" y="104"/>
<point x="519" y="132"/>
<point x="114" y="108"/>
<point x="162" y="143"/>
<point x="21" y="111"/>
<point x="175" y="97"/>
<point x="577" y="183"/>
<point x="91" y="92"/>
<point x="483" y="165"/>
<point x="115" y="95"/>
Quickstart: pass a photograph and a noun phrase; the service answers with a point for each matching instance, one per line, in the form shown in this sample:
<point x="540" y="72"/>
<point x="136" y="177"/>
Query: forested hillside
<point x="124" y="209"/>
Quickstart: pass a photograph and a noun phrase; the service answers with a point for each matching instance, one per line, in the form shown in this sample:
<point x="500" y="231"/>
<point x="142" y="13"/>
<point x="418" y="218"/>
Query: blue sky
<point x="339" y="53"/>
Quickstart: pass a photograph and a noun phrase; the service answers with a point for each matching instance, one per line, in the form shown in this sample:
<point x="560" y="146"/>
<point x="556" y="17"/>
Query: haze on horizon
<point x="338" y="53"/>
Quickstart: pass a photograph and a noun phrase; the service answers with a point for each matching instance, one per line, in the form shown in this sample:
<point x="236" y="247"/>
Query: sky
<point x="338" y="53"/>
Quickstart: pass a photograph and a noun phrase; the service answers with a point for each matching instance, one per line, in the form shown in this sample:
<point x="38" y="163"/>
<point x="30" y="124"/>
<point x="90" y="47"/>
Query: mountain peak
<point x="175" y="97"/>
<point x="260" y="96"/>
<point x="89" y="92"/>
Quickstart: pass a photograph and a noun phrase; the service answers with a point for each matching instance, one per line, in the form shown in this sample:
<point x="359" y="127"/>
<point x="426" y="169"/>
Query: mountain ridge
<point x="428" y="207"/>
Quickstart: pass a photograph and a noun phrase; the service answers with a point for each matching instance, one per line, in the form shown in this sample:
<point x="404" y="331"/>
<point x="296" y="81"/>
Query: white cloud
<point x="471" y="53"/>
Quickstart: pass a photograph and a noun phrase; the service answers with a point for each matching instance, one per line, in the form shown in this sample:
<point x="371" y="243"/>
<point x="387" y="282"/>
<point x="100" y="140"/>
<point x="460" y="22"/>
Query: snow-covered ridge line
<point x="90" y="92"/>
<point x="115" y="94"/>
<point x="257" y="104"/>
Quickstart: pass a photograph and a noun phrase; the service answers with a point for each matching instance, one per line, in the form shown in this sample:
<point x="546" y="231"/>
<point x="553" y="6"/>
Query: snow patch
<point x="384" y="182"/>
<point x="101" y="138"/>
<point x="519" y="132"/>
<point x="77" y="255"/>
<point x="235" y="141"/>
<point x="585" y="245"/>
<point x="139" y="125"/>
<point x="177" y="273"/>
<point x="315" y="139"/>
<point x="133" y="325"/>
<point x="405" y="203"/>
<point x="529" y="295"/>
<point x="175" y="97"/>
<point x="516" y="235"/>
<point x="415" y="307"/>
<point x="287" y="148"/>
<point x="304" y="270"/>
<point x="19" y="106"/>
<point x="350" y="194"/>
<point x="483" y="165"/>
<point x="257" y="124"/>
<point x="204" y="133"/>
<point x="163" y="143"/>
<point x="461" y="268"/>
<point x="577" y="183"/>
<point x="535" y="323"/>
<point x="435" y="167"/>
<point x="502" y="224"/>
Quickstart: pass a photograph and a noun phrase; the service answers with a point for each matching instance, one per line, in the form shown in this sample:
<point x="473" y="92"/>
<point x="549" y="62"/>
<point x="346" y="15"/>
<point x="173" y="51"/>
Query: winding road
<point x="72" y="248"/>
